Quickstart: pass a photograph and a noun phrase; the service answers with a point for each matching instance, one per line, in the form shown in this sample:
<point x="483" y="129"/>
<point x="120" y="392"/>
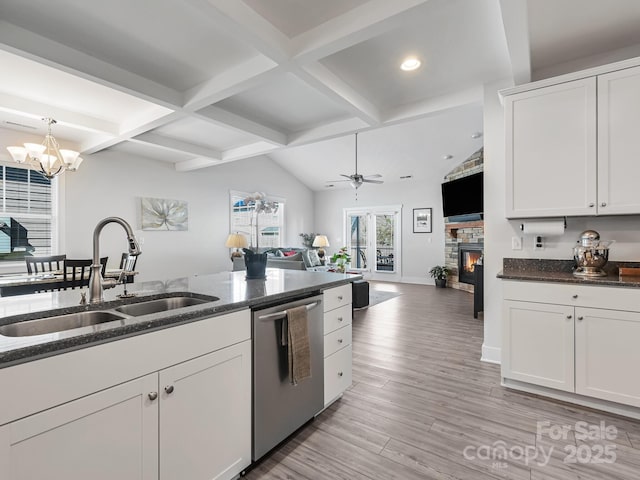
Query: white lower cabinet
<point x="107" y="435"/>
<point x="337" y="342"/>
<point x="608" y="355"/>
<point x="573" y="346"/>
<point x="189" y="418"/>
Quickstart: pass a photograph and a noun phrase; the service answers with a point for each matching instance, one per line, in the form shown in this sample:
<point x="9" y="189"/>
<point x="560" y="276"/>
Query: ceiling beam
<point x="355" y="26"/>
<point x="227" y="119"/>
<point x="516" y="30"/>
<point x="247" y="151"/>
<point x="175" y="145"/>
<point x="195" y="164"/>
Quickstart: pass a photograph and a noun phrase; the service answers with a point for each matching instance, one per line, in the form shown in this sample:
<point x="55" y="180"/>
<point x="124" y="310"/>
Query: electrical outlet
<point x="538" y="243"/>
<point x="516" y="243"/>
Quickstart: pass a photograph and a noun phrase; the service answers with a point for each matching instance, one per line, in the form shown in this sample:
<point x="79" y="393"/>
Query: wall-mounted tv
<point x="463" y="196"/>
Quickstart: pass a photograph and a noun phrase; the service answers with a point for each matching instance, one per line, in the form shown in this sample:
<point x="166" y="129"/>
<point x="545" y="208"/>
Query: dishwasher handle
<point x="283" y="313"/>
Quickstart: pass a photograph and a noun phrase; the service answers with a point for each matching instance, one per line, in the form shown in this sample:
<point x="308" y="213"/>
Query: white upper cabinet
<point x="619" y="142"/>
<point x="551" y="151"/>
<point x="572" y="148"/>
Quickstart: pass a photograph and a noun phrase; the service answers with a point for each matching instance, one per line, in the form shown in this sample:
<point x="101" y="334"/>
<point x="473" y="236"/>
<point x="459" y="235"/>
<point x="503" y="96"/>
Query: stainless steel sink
<point x="59" y="323"/>
<point x="161" y="305"/>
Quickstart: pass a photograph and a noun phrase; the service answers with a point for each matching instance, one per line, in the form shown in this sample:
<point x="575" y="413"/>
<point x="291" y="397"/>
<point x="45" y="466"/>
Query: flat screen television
<point x="463" y="196"/>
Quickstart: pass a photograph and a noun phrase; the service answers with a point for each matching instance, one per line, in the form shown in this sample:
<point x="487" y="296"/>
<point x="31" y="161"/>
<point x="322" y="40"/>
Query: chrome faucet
<point x="96" y="283"/>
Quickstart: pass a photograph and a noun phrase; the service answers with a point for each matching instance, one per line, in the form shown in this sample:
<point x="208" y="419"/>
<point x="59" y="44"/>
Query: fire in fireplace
<point x="468" y="255"/>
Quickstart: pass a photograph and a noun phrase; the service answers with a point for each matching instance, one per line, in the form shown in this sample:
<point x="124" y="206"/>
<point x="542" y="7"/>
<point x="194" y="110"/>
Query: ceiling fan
<point x="356" y="179"/>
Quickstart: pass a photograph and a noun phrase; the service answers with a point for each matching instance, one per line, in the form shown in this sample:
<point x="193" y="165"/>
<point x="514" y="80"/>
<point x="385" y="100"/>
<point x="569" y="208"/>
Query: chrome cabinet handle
<point x="591" y="205"/>
<point x="153" y="396"/>
<point x="339" y="319"/>
<point x="569" y="317"/>
<point x="169" y="389"/>
<point x="603" y="204"/>
<point x="580" y="318"/>
<point x="339" y="297"/>
<point x="339" y="340"/>
<point x="340" y="374"/>
<point x="575" y="296"/>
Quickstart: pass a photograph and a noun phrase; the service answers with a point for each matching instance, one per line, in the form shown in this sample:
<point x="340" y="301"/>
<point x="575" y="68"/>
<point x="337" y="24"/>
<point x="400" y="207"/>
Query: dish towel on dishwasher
<point x="298" y="345"/>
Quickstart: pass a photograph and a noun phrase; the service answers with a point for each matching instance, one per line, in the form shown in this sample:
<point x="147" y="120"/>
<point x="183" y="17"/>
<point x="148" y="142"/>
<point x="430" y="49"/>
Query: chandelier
<point x="47" y="156"/>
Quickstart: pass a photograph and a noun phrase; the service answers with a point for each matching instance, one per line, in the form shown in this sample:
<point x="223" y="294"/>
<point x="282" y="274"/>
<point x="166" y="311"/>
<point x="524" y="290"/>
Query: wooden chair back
<point x="44" y="264"/>
<point x="78" y="271"/>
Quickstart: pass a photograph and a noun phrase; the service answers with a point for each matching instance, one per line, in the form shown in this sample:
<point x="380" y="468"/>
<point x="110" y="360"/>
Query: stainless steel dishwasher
<point x="280" y="408"/>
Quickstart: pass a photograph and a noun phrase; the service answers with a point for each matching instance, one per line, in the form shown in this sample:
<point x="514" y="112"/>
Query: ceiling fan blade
<point x="375" y="175"/>
<point x="350" y="177"/>
<point x="366" y="180"/>
<point x="335" y="181"/>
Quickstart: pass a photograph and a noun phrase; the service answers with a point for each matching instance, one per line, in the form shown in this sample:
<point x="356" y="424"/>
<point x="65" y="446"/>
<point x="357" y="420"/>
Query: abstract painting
<point x="164" y="214"/>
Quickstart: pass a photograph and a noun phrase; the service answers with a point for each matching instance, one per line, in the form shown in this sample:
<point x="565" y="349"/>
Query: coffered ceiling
<point x="201" y="82"/>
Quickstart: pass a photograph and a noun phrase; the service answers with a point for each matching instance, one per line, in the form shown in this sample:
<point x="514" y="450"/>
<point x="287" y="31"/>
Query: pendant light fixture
<point x="47" y="156"/>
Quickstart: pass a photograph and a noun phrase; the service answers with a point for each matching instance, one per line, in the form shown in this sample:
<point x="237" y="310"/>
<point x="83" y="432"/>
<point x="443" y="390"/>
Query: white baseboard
<point x="418" y="280"/>
<point x="491" y="354"/>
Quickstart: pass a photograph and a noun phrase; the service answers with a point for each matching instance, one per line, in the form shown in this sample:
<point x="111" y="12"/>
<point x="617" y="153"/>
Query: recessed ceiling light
<point x="476" y="135"/>
<point x="447" y="157"/>
<point x="410" y="63"/>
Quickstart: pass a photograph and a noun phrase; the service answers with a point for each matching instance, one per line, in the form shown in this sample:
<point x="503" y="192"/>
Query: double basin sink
<point x="85" y="318"/>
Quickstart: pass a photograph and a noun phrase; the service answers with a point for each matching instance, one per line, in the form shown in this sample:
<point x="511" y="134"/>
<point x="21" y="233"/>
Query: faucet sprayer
<point x="96" y="282"/>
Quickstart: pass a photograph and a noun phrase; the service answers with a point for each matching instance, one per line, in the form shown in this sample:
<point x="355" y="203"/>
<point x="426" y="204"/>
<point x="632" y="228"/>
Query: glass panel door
<point x="385" y="243"/>
<point x="358" y="240"/>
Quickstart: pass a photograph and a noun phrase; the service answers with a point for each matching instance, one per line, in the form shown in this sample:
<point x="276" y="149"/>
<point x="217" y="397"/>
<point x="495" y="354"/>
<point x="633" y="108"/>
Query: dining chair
<point x="128" y="263"/>
<point x="44" y="264"/>
<point x="78" y="271"/>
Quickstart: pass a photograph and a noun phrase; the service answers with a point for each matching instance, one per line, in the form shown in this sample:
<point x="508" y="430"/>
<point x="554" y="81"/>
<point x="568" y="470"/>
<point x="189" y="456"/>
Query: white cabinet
<point x="107" y="435"/>
<point x="619" y="142"/>
<point x="180" y="410"/>
<point x="571" y="147"/>
<point x="337" y="342"/>
<point x="205" y="415"/>
<point x="608" y="354"/>
<point x="538" y="344"/>
<point x="569" y="343"/>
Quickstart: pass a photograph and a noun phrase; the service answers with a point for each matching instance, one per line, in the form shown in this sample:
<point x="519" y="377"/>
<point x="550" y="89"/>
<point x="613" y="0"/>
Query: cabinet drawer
<point x="337" y="374"/>
<point x="337" y="297"/>
<point x="579" y="295"/>
<point x="337" y="340"/>
<point x="337" y="318"/>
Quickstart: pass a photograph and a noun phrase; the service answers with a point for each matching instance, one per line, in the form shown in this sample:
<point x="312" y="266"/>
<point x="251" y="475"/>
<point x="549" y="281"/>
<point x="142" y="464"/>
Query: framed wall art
<point x="421" y="220"/>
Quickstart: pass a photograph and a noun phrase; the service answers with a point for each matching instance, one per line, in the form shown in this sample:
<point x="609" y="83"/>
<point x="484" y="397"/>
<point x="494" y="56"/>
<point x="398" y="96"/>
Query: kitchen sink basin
<point x="59" y="323"/>
<point x="161" y="305"/>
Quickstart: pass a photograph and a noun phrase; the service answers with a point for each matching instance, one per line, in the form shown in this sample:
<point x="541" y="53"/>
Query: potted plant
<point x="341" y="259"/>
<point x="307" y="239"/>
<point x="440" y="273"/>
<point x="255" y="260"/>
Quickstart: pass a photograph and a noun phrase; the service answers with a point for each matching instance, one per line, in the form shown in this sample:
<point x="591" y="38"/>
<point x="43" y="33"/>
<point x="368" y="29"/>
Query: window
<point x="26" y="214"/>
<point x="270" y="225"/>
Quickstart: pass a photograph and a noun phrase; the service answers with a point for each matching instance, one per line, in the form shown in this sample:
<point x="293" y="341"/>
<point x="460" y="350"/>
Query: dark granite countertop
<point x="234" y="293"/>
<point x="561" y="271"/>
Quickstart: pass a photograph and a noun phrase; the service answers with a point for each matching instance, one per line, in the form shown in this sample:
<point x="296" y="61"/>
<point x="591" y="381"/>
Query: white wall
<point x="420" y="251"/>
<point x="111" y="184"/>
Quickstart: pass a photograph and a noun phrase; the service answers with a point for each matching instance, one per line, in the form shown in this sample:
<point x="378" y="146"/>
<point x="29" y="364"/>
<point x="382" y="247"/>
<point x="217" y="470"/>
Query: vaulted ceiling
<point x="202" y="82"/>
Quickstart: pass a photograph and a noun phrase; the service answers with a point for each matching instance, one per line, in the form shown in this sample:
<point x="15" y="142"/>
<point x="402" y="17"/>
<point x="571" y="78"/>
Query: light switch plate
<point x="516" y="243"/>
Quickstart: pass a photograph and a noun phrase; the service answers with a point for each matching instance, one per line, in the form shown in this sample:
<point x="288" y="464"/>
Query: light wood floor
<point x="421" y="398"/>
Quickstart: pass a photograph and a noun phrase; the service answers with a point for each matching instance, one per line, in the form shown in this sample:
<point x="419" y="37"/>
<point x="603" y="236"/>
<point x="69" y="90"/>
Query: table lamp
<point x="321" y="241"/>
<point x="235" y="240"/>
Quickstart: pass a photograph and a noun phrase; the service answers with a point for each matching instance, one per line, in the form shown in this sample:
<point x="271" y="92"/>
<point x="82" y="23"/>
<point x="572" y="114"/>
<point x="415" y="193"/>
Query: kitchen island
<point x="157" y="395"/>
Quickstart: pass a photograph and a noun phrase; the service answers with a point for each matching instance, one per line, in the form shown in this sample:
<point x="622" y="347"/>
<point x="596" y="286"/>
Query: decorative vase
<point x="256" y="265"/>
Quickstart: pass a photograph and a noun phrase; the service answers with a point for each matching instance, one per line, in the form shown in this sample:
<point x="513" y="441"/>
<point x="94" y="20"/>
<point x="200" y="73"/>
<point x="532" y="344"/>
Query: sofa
<point x="294" y="258"/>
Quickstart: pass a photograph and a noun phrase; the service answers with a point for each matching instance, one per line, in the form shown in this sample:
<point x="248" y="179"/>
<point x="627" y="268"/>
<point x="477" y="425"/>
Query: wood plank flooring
<point x="421" y="399"/>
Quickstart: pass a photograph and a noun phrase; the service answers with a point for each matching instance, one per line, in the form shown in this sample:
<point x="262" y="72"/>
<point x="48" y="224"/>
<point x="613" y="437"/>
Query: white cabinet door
<point x="551" y="151"/>
<point x="619" y="142"/>
<point x="337" y="374"/>
<point x="110" y="434"/>
<point x="538" y="344"/>
<point x="205" y="416"/>
<point x="608" y="355"/>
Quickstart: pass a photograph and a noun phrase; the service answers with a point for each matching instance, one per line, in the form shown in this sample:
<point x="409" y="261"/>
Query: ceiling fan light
<point x="19" y="154"/>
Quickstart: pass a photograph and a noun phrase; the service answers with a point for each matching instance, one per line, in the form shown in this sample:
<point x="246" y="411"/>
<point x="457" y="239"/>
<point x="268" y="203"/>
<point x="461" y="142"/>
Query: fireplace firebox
<point x="468" y="255"/>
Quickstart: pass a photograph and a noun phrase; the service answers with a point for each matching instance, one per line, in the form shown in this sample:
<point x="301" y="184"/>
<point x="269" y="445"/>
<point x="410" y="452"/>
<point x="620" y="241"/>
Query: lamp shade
<point x="321" y="241"/>
<point x="236" y="240"/>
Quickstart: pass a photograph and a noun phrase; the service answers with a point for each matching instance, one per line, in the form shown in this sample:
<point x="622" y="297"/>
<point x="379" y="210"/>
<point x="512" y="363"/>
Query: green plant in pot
<point x="440" y="273"/>
<point x="342" y="259"/>
<point x="255" y="260"/>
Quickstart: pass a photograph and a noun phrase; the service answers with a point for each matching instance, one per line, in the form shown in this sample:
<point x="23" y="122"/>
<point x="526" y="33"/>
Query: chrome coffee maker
<point x="590" y="255"/>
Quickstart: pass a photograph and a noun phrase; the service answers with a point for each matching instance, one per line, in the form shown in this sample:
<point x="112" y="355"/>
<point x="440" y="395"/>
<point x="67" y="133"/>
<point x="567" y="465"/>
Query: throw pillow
<point x="279" y="253"/>
<point x="315" y="259"/>
<point x="307" y="261"/>
<point x="297" y="256"/>
<point x="289" y="253"/>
